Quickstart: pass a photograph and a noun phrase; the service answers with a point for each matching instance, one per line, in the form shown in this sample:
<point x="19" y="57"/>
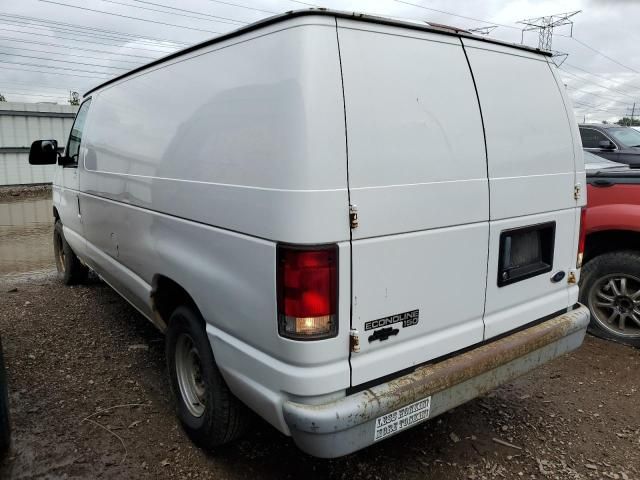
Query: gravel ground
<point x="21" y="192"/>
<point x="73" y="352"/>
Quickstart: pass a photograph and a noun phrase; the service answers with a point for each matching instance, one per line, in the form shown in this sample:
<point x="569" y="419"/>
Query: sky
<point x="51" y="47"/>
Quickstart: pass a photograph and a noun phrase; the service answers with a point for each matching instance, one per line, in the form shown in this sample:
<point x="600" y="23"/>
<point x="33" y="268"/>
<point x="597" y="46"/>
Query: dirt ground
<point x="90" y="399"/>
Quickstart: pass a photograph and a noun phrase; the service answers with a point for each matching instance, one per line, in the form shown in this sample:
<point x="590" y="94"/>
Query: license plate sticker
<point x="402" y="418"/>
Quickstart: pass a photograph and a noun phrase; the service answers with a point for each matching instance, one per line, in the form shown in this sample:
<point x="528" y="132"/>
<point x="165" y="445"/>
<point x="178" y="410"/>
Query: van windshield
<point x="627" y="136"/>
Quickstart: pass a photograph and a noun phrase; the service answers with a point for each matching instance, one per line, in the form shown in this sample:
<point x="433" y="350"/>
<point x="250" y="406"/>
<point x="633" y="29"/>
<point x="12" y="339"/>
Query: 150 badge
<point x="408" y="319"/>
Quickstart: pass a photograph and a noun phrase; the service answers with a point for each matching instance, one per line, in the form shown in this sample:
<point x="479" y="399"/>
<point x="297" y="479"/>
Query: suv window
<point x="627" y="136"/>
<point x="73" y="146"/>
<point x="591" y="138"/>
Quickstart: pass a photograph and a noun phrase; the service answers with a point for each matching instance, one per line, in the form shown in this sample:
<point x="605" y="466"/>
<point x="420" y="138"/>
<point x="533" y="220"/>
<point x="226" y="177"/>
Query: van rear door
<point x="533" y="154"/>
<point x="418" y="176"/>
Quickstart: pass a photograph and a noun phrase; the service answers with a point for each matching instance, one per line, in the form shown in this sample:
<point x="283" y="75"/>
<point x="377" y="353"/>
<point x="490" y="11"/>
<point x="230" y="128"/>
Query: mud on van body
<point x="345" y="223"/>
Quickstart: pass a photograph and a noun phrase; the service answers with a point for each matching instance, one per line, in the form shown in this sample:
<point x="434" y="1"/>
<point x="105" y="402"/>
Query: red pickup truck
<point x="610" y="281"/>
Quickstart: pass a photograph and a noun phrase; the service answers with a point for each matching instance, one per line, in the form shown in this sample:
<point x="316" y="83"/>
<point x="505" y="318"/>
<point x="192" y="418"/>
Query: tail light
<point x="307" y="292"/>
<point x="582" y="237"/>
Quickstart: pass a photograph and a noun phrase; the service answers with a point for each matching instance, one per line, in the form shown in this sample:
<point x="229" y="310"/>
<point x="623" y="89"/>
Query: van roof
<point x="428" y="27"/>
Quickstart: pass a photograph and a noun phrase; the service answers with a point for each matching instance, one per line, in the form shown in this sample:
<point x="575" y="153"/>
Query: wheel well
<point x="56" y="215"/>
<point x="166" y="296"/>
<point x="610" y="241"/>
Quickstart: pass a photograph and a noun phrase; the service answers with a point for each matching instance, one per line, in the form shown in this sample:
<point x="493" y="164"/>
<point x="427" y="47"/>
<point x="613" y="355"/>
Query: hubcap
<point x="614" y="301"/>
<point x="189" y="373"/>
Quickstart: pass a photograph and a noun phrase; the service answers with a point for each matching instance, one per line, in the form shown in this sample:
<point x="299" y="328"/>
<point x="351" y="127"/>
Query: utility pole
<point x="633" y="111"/>
<point x="544" y="26"/>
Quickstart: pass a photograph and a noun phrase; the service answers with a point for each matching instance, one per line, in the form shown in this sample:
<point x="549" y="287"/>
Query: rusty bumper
<point x="349" y="424"/>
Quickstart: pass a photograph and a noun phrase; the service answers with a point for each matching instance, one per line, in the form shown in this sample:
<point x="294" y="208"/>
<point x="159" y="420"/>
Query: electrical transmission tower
<point x="544" y="26"/>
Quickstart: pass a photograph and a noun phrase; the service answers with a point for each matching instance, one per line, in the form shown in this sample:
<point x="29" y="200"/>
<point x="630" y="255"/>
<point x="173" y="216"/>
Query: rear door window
<point x="591" y="138"/>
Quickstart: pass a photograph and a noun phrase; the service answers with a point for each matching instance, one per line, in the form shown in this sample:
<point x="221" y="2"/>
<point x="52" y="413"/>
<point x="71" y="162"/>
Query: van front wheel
<point x="208" y="411"/>
<point x="70" y="269"/>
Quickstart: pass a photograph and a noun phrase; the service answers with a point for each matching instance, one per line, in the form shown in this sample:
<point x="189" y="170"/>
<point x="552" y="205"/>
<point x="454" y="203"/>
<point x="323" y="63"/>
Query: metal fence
<point x="21" y="124"/>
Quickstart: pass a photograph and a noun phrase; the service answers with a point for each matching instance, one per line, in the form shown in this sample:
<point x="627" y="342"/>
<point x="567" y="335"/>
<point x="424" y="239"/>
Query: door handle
<point x="602" y="183"/>
<point x="79" y="212"/>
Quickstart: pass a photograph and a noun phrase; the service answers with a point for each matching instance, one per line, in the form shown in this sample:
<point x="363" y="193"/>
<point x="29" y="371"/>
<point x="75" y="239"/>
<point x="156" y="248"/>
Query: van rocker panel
<point x="348" y="424"/>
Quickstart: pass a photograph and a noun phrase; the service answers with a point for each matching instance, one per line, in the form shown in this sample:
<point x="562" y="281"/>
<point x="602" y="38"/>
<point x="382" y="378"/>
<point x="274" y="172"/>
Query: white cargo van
<point x="348" y="224"/>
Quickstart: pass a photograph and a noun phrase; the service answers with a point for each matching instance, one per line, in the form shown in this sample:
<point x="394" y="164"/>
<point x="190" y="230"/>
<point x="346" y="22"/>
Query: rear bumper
<point x="349" y="424"/>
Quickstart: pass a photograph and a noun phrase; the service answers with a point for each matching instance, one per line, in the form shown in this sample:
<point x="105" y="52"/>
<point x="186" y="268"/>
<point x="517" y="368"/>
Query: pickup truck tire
<point x="208" y="411"/>
<point x="70" y="269"/>
<point x="5" y="427"/>
<point x="610" y="287"/>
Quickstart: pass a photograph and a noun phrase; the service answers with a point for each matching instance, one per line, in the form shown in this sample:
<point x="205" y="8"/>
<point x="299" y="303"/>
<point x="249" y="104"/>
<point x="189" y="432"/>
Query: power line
<point x="71" y="55"/>
<point x="597" y="95"/>
<point x="55" y="68"/>
<point x="181" y="10"/>
<point x="596" y="83"/>
<point x="215" y="17"/>
<point x="32" y="94"/>
<point x="63" y="61"/>
<point x="94" y="29"/>
<point x="71" y="47"/>
<point x="85" y="41"/>
<point x="600" y="53"/>
<point x="449" y="13"/>
<point x="128" y="16"/>
<point x="243" y="6"/>
<point x="19" y="24"/>
<point x="305" y="3"/>
<point x="48" y="73"/>
<point x="47" y="88"/>
<point x="600" y="76"/>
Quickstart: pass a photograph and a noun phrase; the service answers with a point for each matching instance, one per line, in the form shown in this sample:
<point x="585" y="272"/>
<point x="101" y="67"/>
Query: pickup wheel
<point x="611" y="289"/>
<point x="5" y="427"/>
<point x="210" y="414"/>
<point x="70" y="269"/>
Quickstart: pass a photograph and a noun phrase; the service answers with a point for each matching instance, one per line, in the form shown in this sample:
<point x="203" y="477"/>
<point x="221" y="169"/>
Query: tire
<point x="5" y="426"/>
<point x="609" y="285"/>
<point x="209" y="413"/>
<point x="70" y="269"/>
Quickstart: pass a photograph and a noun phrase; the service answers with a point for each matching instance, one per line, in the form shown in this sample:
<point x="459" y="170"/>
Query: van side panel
<point x="417" y="173"/>
<point x="252" y="122"/>
<point x="531" y="158"/>
<point x="195" y="169"/>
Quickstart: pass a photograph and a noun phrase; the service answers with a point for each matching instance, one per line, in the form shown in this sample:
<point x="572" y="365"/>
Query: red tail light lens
<point x="582" y="237"/>
<point x="307" y="292"/>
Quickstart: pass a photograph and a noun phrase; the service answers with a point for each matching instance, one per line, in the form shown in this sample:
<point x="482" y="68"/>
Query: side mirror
<point x="43" y="152"/>
<point x="606" y="145"/>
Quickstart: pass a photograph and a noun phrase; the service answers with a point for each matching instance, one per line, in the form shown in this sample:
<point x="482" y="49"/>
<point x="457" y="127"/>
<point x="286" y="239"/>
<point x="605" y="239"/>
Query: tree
<point x="74" y="98"/>
<point x="2" y="99"/>
<point x="626" y="121"/>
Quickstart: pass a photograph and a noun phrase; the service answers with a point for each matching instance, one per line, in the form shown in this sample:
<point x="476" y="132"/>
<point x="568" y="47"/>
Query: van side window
<point x="591" y="138"/>
<point x="73" y="146"/>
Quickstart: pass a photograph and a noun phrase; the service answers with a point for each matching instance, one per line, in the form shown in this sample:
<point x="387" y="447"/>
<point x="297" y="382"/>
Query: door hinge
<point x="354" y="341"/>
<point x="576" y="191"/>
<point x="353" y="216"/>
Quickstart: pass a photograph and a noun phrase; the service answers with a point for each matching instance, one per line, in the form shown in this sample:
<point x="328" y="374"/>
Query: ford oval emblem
<point x="557" y="277"/>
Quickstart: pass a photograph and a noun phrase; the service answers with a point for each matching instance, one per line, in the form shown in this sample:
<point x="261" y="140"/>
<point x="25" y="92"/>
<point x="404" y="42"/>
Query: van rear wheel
<point x="610" y="287"/>
<point x="208" y="411"/>
<point x="70" y="269"/>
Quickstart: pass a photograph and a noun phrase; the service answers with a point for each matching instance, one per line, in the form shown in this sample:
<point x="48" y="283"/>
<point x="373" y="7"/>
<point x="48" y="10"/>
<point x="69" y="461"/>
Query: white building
<point x="21" y="124"/>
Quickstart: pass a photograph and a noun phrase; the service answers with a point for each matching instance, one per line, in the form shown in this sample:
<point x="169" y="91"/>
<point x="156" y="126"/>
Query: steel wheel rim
<point x="614" y="301"/>
<point x="59" y="253"/>
<point x="189" y="374"/>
